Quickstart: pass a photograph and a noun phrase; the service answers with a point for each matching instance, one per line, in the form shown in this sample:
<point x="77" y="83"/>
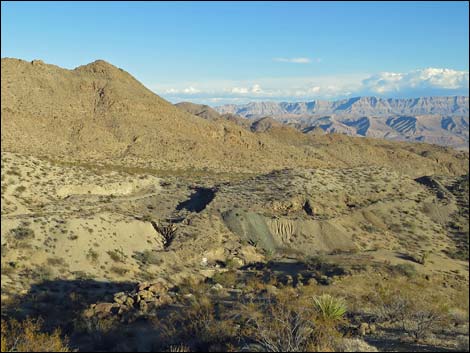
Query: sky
<point x="237" y="52"/>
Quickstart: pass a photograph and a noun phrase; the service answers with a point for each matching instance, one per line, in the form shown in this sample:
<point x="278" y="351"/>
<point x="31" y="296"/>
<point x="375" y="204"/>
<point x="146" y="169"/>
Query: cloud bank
<point x="420" y="82"/>
<point x="293" y="60"/>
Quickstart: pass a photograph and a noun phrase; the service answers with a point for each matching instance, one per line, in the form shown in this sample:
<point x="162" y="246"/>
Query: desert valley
<point x="132" y="224"/>
<point x="266" y="176"/>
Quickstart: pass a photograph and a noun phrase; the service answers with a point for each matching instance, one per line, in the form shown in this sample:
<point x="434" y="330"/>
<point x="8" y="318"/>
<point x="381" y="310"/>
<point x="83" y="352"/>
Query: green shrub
<point x="329" y="308"/>
<point x="92" y="255"/>
<point x="150" y="257"/>
<point x="22" y="233"/>
<point x="117" y="255"/>
<point x="407" y="270"/>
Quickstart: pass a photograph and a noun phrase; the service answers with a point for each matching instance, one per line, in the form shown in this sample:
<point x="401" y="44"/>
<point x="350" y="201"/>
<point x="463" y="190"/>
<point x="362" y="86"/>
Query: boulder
<point x="363" y="329"/>
<point x="142" y="286"/>
<point x="236" y="262"/>
<point x="129" y="302"/>
<point x="120" y="298"/>
<point x="143" y="306"/>
<point x="157" y="288"/>
<point x="217" y="287"/>
<point x="145" y="294"/>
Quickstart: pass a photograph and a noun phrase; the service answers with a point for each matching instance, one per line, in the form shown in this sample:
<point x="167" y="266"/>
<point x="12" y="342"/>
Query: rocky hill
<point x="438" y="120"/>
<point x="100" y="114"/>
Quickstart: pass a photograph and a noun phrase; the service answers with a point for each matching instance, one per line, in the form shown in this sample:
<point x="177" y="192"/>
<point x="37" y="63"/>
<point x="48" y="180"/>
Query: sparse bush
<point x="179" y="348"/>
<point x="168" y="232"/>
<point x="423" y="258"/>
<point x="55" y="261"/>
<point x="19" y="189"/>
<point x="150" y="257"/>
<point x="226" y="279"/>
<point x="121" y="271"/>
<point x="92" y="255"/>
<point x="354" y="345"/>
<point x="44" y="273"/>
<point x="407" y="270"/>
<point x="199" y="324"/>
<point x="462" y="344"/>
<point x="117" y="255"/>
<point x="27" y="336"/>
<point x="288" y="322"/>
<point x="417" y="315"/>
<point x="22" y="233"/>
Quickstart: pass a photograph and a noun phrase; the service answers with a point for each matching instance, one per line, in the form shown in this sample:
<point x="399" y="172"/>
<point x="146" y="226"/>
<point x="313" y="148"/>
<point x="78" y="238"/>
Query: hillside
<point x="339" y="150"/>
<point x="98" y="112"/>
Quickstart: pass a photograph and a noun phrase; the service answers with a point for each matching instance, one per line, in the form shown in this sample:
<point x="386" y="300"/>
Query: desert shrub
<point x="281" y="325"/>
<point x="168" y="232"/>
<point x="4" y="250"/>
<point x="199" y="325"/>
<point x="44" y="273"/>
<point x="407" y="270"/>
<point x="117" y="255"/>
<point x="121" y="271"/>
<point x="191" y="285"/>
<point x="92" y="255"/>
<point x="27" y="336"/>
<point x="420" y="258"/>
<point x="462" y="344"/>
<point x="417" y="315"/>
<point x="226" y="279"/>
<point x="150" y="257"/>
<point x="288" y="322"/>
<point x="147" y="218"/>
<point x="329" y="308"/>
<point x="354" y="345"/>
<point x="421" y="320"/>
<point x="22" y="233"/>
<point x="95" y="327"/>
<point x="56" y="261"/>
<point x="20" y="188"/>
<point x="395" y="228"/>
<point x="178" y="348"/>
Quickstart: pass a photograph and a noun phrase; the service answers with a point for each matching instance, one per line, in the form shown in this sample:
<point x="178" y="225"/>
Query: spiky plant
<point x="179" y="348"/>
<point x="328" y="307"/>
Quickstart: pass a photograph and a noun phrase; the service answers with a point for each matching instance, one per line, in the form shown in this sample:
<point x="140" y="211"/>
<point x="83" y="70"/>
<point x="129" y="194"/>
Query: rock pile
<point x="144" y="299"/>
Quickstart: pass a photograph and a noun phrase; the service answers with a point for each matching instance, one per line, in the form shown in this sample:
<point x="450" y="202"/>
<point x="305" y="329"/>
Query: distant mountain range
<point x="438" y="120"/>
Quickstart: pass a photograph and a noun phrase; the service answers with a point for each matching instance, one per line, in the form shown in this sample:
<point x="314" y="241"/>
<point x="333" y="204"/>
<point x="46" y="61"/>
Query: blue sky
<point x="235" y="52"/>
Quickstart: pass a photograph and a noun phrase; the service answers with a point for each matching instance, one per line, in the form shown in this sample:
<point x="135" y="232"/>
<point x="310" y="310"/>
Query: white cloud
<point x="429" y="78"/>
<point x="191" y="90"/>
<point x="420" y="82"/>
<point x="294" y="60"/>
<point x="239" y="90"/>
<point x="188" y="90"/>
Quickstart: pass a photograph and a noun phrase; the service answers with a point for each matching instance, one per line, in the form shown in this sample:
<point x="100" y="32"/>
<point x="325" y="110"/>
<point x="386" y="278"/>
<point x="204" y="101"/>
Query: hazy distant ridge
<point x="354" y="106"/>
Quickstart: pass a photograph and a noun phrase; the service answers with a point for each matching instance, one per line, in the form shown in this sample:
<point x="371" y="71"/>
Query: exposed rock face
<point x="355" y="106"/>
<point x="438" y="120"/>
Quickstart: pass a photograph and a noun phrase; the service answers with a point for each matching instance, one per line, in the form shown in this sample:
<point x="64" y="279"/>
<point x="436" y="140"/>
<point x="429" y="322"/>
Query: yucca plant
<point x="328" y="307"/>
<point x="179" y="348"/>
